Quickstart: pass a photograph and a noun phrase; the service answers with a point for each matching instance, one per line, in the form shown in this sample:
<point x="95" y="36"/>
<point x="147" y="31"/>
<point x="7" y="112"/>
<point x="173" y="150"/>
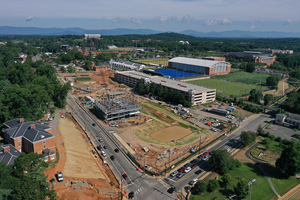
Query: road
<point x="144" y="187"/>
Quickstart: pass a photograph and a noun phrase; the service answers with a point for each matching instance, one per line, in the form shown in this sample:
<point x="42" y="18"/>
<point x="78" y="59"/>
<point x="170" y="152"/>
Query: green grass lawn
<point x="260" y="189"/>
<point x="245" y="77"/>
<point x="282" y="186"/>
<point x="83" y="79"/>
<point x="163" y="61"/>
<point x="227" y="87"/>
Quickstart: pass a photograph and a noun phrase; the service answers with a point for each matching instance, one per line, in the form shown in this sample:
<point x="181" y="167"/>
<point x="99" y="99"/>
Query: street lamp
<point x="250" y="184"/>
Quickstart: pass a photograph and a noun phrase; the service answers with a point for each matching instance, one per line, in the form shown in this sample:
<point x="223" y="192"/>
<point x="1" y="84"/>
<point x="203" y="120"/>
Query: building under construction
<point x="116" y="107"/>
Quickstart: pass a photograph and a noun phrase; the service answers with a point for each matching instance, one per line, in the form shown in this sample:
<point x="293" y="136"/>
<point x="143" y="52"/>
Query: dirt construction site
<point x="157" y="137"/>
<point x="85" y="176"/>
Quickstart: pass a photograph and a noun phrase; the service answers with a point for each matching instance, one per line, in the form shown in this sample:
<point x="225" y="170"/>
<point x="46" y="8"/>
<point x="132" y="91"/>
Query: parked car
<point x="201" y="156"/>
<point x="131" y="195"/>
<point x="125" y="176"/>
<point x="117" y="150"/>
<point x="99" y="147"/>
<point x="181" y="169"/>
<point x="187" y="165"/>
<point x="105" y="147"/>
<point x="59" y="177"/>
<point x="188" y="169"/>
<point x="199" y="171"/>
<point x="181" y="174"/>
<point x="100" y="140"/>
<point x="174" y="173"/>
<point x="205" y="157"/>
<point x="193" y="182"/>
<point x="206" y="153"/>
<point x="103" y="153"/>
<point x="194" y="166"/>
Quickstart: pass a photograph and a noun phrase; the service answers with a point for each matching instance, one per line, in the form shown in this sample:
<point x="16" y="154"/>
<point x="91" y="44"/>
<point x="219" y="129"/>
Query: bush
<point x="212" y="185"/>
<point x="225" y="180"/>
<point x="199" y="187"/>
<point x="286" y="142"/>
<point x="272" y="137"/>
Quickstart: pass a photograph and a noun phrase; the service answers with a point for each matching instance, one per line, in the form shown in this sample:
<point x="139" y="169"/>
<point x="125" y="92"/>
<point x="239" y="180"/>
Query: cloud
<point x="29" y="18"/>
<point x="253" y="28"/>
<point x="161" y="20"/>
<point x="186" y="19"/>
<point x="210" y="22"/>
<point x="288" y="22"/>
<point x="118" y="20"/>
<point x="136" y="20"/>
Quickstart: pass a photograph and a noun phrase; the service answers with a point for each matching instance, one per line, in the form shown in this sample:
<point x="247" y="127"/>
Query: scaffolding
<point x="114" y="107"/>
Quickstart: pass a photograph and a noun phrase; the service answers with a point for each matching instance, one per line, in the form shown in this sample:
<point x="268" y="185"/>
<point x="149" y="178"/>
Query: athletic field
<point x="245" y="77"/>
<point x="157" y="61"/>
<point x="227" y="87"/>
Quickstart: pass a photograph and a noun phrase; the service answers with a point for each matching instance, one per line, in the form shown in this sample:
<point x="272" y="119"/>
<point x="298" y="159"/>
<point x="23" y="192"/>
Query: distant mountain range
<point x="9" y="30"/>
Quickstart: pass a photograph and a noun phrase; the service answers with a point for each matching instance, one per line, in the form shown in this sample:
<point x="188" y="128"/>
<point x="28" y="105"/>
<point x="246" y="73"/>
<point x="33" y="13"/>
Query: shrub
<point x="212" y="185"/>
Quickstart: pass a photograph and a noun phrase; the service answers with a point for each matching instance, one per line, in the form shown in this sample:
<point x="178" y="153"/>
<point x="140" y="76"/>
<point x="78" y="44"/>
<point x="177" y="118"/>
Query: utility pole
<point x="165" y="168"/>
<point x="199" y="144"/>
<point x="121" y="186"/>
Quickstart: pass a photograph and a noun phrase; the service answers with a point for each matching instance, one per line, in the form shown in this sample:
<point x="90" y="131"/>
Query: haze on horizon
<point x="161" y="15"/>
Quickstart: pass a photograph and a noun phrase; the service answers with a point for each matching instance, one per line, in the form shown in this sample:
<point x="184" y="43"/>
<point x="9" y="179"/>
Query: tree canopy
<point x="247" y="137"/>
<point x="221" y="161"/>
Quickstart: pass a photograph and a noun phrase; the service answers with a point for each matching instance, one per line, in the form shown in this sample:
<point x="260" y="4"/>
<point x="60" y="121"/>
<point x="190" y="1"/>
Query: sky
<point x="160" y="15"/>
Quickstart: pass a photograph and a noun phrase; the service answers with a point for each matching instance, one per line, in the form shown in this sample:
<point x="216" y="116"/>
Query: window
<point x="46" y="158"/>
<point x="45" y="146"/>
<point x="19" y="139"/>
<point x="52" y="157"/>
<point x="44" y="142"/>
<point x="19" y="144"/>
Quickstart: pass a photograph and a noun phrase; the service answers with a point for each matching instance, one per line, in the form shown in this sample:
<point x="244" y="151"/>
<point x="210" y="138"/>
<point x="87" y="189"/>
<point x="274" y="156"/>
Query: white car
<point x="193" y="182"/>
<point x="103" y="153"/>
<point x="173" y="174"/>
<point x="188" y="169"/>
<point x="205" y="157"/>
<point x="59" y="177"/>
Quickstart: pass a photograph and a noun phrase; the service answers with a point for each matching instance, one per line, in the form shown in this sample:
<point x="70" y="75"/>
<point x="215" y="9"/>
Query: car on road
<point x="103" y="153"/>
<point x="131" y="195"/>
<point x="93" y="124"/>
<point x="188" y="169"/>
<point x="59" y="177"/>
<point x="100" y="140"/>
<point x="193" y="182"/>
<point x="199" y="171"/>
<point x="112" y="157"/>
<point x="172" y="189"/>
<point x="206" y="153"/>
<point x="125" y="176"/>
<point x="117" y="150"/>
<point x="181" y="174"/>
<point x="174" y="173"/>
<point x="181" y="169"/>
<point x="105" y="147"/>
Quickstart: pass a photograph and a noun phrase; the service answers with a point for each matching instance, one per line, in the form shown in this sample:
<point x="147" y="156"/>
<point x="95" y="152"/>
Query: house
<point x="284" y="120"/>
<point x="28" y="136"/>
<point x="8" y="153"/>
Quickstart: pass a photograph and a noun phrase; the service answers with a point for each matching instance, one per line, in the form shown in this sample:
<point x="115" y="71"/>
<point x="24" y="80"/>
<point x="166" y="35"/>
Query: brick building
<point x="257" y="57"/>
<point x="28" y="136"/>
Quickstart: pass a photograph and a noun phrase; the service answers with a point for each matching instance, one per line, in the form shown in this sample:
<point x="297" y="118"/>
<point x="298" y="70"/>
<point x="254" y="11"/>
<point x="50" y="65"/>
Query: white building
<point x="127" y="65"/>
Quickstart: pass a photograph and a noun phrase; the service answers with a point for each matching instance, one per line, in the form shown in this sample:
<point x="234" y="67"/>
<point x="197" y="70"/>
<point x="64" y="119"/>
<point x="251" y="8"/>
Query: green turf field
<point x="163" y="61"/>
<point x="245" y="77"/>
<point x="227" y="87"/>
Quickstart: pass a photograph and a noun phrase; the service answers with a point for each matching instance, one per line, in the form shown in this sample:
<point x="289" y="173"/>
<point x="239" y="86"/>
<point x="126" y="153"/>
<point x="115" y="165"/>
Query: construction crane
<point x="94" y="46"/>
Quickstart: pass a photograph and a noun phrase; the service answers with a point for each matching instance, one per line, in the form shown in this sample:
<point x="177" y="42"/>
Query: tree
<point x="289" y="161"/>
<point x="70" y="69"/>
<point x="272" y="81"/>
<point x="62" y="69"/>
<point x="250" y="67"/>
<point x="212" y="185"/>
<point x="268" y="98"/>
<point x="267" y="142"/>
<point x="255" y="96"/>
<point x="241" y="189"/>
<point x="88" y="65"/>
<point x="225" y="180"/>
<point x="247" y="137"/>
<point x="199" y="187"/>
<point x="221" y="161"/>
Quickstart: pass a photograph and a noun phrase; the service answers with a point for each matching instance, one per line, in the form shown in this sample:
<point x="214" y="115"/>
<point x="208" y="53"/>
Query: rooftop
<point x="178" y="85"/>
<point x="196" y="62"/>
<point x="8" y="153"/>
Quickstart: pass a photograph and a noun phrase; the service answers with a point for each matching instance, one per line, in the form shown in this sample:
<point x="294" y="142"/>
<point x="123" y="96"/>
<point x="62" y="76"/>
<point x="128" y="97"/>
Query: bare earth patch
<point x="170" y="133"/>
<point x="79" y="160"/>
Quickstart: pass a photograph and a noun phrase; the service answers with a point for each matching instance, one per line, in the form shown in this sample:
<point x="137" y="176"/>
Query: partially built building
<point x="114" y="107"/>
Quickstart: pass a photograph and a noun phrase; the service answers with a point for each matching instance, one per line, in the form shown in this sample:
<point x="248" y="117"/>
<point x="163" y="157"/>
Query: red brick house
<point x="28" y="136"/>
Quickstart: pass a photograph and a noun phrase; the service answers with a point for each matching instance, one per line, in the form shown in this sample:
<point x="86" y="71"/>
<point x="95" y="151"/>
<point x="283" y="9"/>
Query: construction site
<point x="117" y="106"/>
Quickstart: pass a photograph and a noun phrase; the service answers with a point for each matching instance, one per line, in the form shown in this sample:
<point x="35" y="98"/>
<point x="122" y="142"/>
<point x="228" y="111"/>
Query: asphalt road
<point x="145" y="187"/>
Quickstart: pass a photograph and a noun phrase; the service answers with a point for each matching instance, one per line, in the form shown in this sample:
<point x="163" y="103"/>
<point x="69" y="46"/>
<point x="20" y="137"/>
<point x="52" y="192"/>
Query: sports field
<point x="245" y="77"/>
<point x="162" y="61"/>
<point x="170" y="133"/>
<point x="227" y="87"/>
<point x="174" y="73"/>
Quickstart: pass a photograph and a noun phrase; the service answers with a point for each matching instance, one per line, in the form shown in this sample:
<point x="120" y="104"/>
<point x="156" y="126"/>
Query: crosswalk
<point x="163" y="183"/>
<point x="138" y="190"/>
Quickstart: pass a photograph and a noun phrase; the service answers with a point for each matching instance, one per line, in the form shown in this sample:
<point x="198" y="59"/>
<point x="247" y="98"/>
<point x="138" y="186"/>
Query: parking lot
<point x="283" y="132"/>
